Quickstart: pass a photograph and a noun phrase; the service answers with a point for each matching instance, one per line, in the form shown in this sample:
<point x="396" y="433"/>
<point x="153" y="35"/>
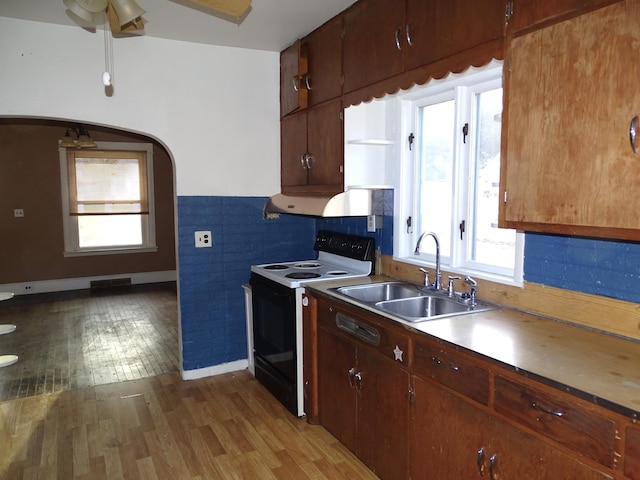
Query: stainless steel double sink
<point x="411" y="303"/>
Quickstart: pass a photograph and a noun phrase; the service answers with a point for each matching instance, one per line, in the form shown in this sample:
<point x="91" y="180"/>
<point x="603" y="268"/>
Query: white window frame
<point x="70" y="222"/>
<point x="405" y="205"/>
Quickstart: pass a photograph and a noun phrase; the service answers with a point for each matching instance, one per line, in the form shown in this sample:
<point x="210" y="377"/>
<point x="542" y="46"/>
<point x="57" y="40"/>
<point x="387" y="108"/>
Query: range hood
<point x="355" y="202"/>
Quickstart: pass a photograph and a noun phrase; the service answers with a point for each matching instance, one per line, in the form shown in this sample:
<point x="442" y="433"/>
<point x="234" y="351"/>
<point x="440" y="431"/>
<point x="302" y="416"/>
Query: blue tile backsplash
<point x="212" y="300"/>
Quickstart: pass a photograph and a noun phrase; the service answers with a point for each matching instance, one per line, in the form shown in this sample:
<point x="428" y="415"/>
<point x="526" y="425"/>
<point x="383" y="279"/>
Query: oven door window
<point x="274" y="325"/>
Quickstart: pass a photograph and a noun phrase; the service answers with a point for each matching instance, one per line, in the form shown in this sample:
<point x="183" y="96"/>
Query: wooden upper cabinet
<point x="441" y="28"/>
<point x="373" y="42"/>
<point x="293" y="68"/>
<point x="324" y="55"/>
<point x="571" y="94"/>
<point x="530" y="14"/>
<point x="312" y="151"/>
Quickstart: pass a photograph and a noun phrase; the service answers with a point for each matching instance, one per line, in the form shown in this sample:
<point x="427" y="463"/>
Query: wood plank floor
<point x="78" y="339"/>
<point x="222" y="427"/>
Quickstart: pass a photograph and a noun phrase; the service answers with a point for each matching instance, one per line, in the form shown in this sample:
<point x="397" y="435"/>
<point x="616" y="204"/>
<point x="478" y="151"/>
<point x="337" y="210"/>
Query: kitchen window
<point x="108" y="199"/>
<point x="449" y="177"/>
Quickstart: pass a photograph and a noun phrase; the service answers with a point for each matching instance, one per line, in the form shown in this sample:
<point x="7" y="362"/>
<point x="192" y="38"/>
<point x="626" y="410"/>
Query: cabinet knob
<point x="632" y="133"/>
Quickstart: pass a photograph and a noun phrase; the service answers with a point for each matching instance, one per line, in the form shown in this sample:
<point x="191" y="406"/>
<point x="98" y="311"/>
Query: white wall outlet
<point x="203" y="238"/>
<point x="374" y="222"/>
<point x="18" y="212"/>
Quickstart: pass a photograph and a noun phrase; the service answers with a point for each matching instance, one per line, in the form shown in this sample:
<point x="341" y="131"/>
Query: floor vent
<point x="97" y="285"/>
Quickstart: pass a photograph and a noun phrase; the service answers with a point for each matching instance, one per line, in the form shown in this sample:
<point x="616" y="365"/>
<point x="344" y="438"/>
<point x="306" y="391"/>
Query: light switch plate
<point x="203" y="238"/>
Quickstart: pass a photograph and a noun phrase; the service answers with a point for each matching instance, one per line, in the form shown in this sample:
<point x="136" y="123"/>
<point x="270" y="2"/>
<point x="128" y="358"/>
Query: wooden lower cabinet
<point x="363" y="402"/>
<point x="451" y="439"/>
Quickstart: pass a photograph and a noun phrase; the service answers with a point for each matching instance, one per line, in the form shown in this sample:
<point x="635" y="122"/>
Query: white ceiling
<point x="270" y="24"/>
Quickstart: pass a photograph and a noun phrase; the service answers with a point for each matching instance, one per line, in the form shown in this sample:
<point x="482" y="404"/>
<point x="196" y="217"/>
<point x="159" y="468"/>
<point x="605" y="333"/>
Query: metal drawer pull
<point x="398" y="33"/>
<point x="480" y="461"/>
<point x="296" y="82"/>
<point x="557" y="413"/>
<point x="447" y="365"/>
<point x="493" y="459"/>
<point x="632" y="132"/>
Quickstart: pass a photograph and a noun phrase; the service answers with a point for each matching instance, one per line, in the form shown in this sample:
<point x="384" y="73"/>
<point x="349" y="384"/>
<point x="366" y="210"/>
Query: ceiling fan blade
<point x="235" y="8"/>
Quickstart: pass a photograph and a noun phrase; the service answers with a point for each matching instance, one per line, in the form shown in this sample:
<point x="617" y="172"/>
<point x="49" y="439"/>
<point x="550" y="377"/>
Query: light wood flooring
<point x="72" y="340"/>
<point x="222" y="427"/>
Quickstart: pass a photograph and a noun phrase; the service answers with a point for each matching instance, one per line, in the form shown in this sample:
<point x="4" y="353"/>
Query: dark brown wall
<point x="31" y="248"/>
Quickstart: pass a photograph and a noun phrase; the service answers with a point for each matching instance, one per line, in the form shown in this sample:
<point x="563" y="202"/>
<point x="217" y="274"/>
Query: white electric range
<point x="276" y="291"/>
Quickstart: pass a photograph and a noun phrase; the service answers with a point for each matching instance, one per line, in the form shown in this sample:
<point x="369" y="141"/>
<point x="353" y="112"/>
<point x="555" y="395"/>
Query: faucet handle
<point x="426" y="276"/>
<point x="450" y="289"/>
<point x="473" y="285"/>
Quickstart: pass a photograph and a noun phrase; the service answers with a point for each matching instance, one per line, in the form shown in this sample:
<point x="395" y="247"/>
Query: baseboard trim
<point x="66" y="284"/>
<point x="215" y="370"/>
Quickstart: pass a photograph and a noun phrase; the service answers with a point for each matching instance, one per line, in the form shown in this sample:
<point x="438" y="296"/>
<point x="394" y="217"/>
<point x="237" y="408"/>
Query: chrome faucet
<point x="438" y="283"/>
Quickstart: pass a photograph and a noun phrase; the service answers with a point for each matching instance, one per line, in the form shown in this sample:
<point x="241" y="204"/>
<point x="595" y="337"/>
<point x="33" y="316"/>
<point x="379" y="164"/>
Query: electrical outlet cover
<point x="203" y="238"/>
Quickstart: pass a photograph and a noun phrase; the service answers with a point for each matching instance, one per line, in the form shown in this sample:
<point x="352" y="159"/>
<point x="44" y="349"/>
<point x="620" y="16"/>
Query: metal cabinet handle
<point x="307" y="81"/>
<point x="309" y="160"/>
<point x="296" y="82"/>
<point x="303" y="161"/>
<point x="358" y="380"/>
<point x="493" y="460"/>
<point x="632" y="132"/>
<point x="557" y="413"/>
<point x="480" y="461"/>
<point x="351" y="373"/>
<point x="447" y="365"/>
<point x="407" y="32"/>
<point x="398" y="33"/>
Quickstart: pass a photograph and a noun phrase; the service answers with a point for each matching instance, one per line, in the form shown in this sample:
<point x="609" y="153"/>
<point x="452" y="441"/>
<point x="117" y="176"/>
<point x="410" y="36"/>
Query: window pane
<point x="436" y="174"/>
<point x="109" y="230"/>
<point x="489" y="244"/>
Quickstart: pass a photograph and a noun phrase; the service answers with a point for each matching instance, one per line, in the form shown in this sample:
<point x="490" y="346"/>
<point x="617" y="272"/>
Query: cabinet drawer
<point x="559" y="417"/>
<point x="383" y="340"/>
<point x="453" y="369"/>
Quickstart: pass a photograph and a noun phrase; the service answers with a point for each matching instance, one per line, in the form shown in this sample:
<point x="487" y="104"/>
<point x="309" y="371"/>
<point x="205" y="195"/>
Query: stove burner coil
<point x="302" y="275"/>
<point x="276" y="266"/>
<point x="307" y="265"/>
<point x="336" y="272"/>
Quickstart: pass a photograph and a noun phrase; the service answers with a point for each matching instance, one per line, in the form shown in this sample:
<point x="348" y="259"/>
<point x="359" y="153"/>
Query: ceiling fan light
<point x="80" y="12"/>
<point x="93" y="6"/>
<point x="127" y="10"/>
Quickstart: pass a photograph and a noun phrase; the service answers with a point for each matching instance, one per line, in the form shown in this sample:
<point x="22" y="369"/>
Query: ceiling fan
<point x="126" y="15"/>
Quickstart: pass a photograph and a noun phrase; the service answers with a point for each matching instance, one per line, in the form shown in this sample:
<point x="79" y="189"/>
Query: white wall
<point x="216" y="109"/>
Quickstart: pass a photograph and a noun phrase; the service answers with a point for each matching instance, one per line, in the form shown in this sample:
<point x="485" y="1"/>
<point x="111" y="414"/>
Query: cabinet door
<point x="293" y="145"/>
<point x="383" y="416"/>
<point x="370" y="51"/>
<point x="324" y="55"/>
<point x="336" y="395"/>
<point x="568" y="165"/>
<point x="324" y="144"/>
<point x="292" y="66"/>
<point x="442" y="28"/>
<point x="453" y="440"/>
<point x="531" y="13"/>
<point x="519" y="455"/>
<point x="446" y="434"/>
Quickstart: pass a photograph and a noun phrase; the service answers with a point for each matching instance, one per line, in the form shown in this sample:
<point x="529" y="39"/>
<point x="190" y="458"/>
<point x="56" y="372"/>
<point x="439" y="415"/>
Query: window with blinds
<point x="107" y="182"/>
<point x="108" y="198"/>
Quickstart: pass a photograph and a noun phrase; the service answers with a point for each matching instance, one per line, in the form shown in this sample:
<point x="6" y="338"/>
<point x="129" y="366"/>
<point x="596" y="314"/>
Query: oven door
<point x="274" y="325"/>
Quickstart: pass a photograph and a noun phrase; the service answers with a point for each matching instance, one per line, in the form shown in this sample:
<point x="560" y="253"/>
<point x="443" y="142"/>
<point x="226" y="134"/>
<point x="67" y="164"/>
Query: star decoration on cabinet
<point x="398" y="353"/>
